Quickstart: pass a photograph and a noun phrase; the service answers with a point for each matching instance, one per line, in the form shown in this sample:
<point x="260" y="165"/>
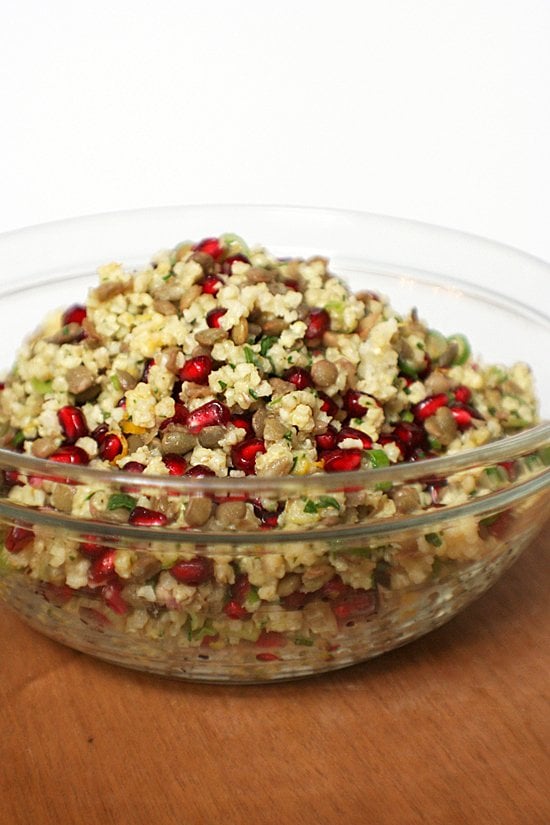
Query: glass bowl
<point x="269" y="604"/>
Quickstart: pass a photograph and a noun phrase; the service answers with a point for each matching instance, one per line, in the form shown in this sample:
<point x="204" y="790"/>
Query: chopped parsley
<point x="119" y="500"/>
<point x="322" y="503"/>
<point x="266" y="343"/>
<point x="253" y="394"/>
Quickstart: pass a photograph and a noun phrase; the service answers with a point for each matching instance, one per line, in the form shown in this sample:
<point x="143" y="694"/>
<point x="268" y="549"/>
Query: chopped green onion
<point x="18" y="438"/>
<point x="253" y="394"/>
<point x="250" y="355"/>
<point x="115" y="381"/>
<point x="266" y="343"/>
<point x="118" y="500"/>
<point x="377" y="458"/>
<point x="434" y="539"/>
<point x="301" y="640"/>
<point x="322" y="503"/>
<point x="463" y="346"/>
<point x="41" y="387"/>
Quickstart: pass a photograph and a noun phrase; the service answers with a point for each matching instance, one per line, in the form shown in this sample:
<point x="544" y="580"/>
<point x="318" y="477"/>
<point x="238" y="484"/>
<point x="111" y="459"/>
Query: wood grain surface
<point x="453" y="728"/>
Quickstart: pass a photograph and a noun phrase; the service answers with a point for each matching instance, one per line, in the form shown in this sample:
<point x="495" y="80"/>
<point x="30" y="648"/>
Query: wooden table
<point x="453" y="728"/>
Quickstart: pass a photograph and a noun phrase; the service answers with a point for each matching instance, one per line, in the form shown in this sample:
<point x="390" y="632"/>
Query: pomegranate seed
<point x="75" y="314"/>
<point x="110" y="447"/>
<point x="499" y="527"/>
<point x="340" y="461"/>
<point x="270" y="638"/>
<point x="299" y="377"/>
<point x="17" y="538"/>
<point x="328" y="406"/>
<point x="213" y="317"/>
<point x="143" y="517"/>
<point x="462" y="417"/>
<point x="199" y="471"/>
<point x="242" y="423"/>
<point x="100" y="432"/>
<point x="291" y="283"/>
<point x="72" y="423"/>
<point x="179" y="417"/>
<point x="228" y="263"/>
<point x="2" y="386"/>
<point x="58" y="594"/>
<point x="351" y="432"/>
<point x="11" y="479"/>
<point x="295" y="601"/>
<point x="113" y="598"/>
<point x="102" y="568"/>
<point x="410" y="435"/>
<point x="210" y="246"/>
<point x="326" y="440"/>
<point x="133" y="467"/>
<point x="267" y="657"/>
<point x="235" y="611"/>
<point x="511" y="469"/>
<point x="122" y="403"/>
<point x="196" y="571"/>
<point x="352" y="404"/>
<point x="176" y="464"/>
<point x="243" y="455"/>
<point x="334" y="589"/>
<point x="240" y="588"/>
<point x="318" y="322"/>
<point x="196" y="369"/>
<point x="150" y="362"/>
<point x="211" y="284"/>
<point x="91" y="549"/>
<point x="70" y="454"/>
<point x="268" y="518"/>
<point x="176" y="390"/>
<point x="462" y="394"/>
<point x="429" y="406"/>
<point x="358" y="603"/>
<point x="209" y="414"/>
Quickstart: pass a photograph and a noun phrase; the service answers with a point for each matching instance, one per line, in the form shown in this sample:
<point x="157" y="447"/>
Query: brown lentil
<point x="177" y="439"/>
<point x="189" y="296"/>
<point x="209" y="337"/>
<point x="79" y="379"/>
<point x="164" y="307"/>
<point x="198" y="511"/>
<point x="406" y="499"/>
<point x="324" y="373"/>
<point x="442" y="426"/>
<point x="44" y="447"/>
<point x="211" y="436"/>
<point x="230" y="513"/>
<point x="239" y="333"/>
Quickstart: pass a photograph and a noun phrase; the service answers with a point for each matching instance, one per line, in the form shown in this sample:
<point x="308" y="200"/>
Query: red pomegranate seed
<point x="58" y="594"/>
<point x="11" y="479"/>
<point x="72" y="423"/>
<point x="293" y="284"/>
<point x="75" y="314"/>
<point x="299" y="377"/>
<point x="341" y="461"/>
<point x="196" y="369"/>
<point x="353" y="405"/>
<point x="243" y="455"/>
<point x="196" y="571"/>
<point x="351" y="432"/>
<point x="242" y="423"/>
<point x="209" y="414"/>
<point x="17" y="538"/>
<point x="176" y="464"/>
<point x="150" y="362"/>
<point x="295" y="601"/>
<point x="328" y="406"/>
<point x="210" y="246"/>
<point x="270" y="638"/>
<point x="211" y="284"/>
<point x="100" y="432"/>
<point x="267" y="657"/>
<point x="511" y="469"/>
<point x="213" y="317"/>
<point x="70" y="454"/>
<point x="429" y="406"/>
<point x="235" y="611"/>
<point x="358" y="603"/>
<point x="143" y="517"/>
<point x="410" y="435"/>
<point x="334" y="589"/>
<point x="2" y="386"/>
<point x="326" y="440"/>
<point x="110" y="447"/>
<point x="462" y="417"/>
<point x="462" y="394"/>
<point x="228" y="263"/>
<point x="180" y="416"/>
<point x="269" y="519"/>
<point x="112" y="597"/>
<point x="318" y="322"/>
<point x="199" y="471"/>
<point x="133" y="467"/>
<point x="240" y="588"/>
<point x="102" y="568"/>
<point x="91" y="549"/>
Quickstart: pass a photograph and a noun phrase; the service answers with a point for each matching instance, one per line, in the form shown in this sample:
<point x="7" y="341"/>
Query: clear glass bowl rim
<point x="506" y="449"/>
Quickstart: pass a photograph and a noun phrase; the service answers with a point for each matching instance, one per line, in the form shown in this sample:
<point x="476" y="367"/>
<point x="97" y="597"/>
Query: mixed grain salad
<point x="216" y="360"/>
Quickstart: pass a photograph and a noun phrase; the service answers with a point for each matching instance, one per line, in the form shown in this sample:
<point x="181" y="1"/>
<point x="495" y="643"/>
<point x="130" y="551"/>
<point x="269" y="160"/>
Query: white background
<point x="430" y="109"/>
